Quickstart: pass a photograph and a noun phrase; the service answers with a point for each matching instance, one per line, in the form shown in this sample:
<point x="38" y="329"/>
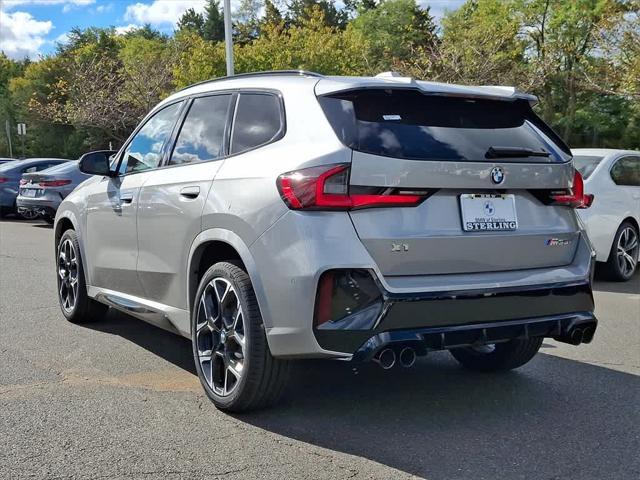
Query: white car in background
<point x="613" y="220"/>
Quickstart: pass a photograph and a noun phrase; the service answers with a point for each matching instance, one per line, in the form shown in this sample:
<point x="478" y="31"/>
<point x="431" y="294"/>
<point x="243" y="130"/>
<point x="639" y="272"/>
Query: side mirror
<point x="96" y="163"/>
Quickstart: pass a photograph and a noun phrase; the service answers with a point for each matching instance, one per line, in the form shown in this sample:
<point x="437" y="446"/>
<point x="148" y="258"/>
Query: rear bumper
<point x="573" y="328"/>
<point x="552" y="309"/>
<point x="42" y="205"/>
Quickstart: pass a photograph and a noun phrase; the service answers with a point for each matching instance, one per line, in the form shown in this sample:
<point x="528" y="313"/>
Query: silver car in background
<point x="42" y="192"/>
<point x="286" y="215"/>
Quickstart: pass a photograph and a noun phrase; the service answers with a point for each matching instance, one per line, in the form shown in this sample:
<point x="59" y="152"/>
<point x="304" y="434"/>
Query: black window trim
<point x="188" y="100"/>
<point x="616" y="161"/>
<point x="183" y="117"/>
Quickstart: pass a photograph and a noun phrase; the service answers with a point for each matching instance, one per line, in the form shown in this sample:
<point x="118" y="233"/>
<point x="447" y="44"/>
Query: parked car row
<point x="42" y="192"/>
<point x="34" y="187"/>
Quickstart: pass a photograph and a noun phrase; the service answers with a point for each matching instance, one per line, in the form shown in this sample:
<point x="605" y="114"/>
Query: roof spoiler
<point x="329" y="85"/>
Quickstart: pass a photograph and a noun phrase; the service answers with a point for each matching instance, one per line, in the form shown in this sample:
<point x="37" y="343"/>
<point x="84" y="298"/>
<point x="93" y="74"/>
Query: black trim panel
<point x="453" y="309"/>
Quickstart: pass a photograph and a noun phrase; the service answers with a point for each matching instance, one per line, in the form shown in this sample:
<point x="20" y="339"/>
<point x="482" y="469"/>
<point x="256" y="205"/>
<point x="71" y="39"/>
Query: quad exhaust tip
<point x="407" y="357"/>
<point x="386" y="359"/>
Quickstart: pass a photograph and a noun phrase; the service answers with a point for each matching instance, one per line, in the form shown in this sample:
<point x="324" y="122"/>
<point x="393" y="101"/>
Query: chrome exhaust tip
<point x="386" y="358"/>
<point x="407" y="357"/>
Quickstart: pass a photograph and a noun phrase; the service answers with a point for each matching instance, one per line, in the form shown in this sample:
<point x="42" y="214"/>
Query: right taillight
<point x="327" y="188"/>
<point x="54" y="183"/>
<point x="575" y="196"/>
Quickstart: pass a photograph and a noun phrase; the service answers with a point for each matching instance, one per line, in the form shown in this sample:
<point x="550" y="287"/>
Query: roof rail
<point x="302" y="73"/>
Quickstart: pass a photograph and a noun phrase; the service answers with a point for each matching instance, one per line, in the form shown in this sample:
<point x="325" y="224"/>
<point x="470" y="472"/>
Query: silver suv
<point x="284" y="215"/>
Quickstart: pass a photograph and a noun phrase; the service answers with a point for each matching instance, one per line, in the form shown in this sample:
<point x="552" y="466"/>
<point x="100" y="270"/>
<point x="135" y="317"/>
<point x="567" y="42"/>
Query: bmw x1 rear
<point x="384" y="218"/>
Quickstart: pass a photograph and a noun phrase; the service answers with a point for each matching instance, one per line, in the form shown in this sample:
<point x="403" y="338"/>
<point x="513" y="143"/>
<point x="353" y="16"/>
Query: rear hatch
<point x="486" y="164"/>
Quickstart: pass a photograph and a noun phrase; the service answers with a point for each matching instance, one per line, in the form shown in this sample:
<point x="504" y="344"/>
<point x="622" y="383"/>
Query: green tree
<point x="193" y="21"/>
<point x="213" y="28"/>
<point x="481" y="45"/>
<point x="301" y="11"/>
<point x="272" y="15"/>
<point x="395" y="29"/>
<point x="561" y="39"/>
<point x="246" y="22"/>
<point x="312" y="45"/>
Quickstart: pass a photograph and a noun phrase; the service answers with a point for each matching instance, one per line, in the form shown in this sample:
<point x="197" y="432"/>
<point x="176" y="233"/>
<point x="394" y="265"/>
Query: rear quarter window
<point x="259" y="119"/>
<point x="626" y="172"/>
<point x="406" y="123"/>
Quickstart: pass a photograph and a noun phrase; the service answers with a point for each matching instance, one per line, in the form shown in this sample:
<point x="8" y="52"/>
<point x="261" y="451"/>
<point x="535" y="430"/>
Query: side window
<point x="258" y="120"/>
<point x="626" y="171"/>
<point x="201" y="137"/>
<point x="145" y="149"/>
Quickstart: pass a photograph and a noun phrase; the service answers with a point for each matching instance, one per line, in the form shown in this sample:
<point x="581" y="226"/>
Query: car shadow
<point x="164" y="344"/>
<point x="553" y="418"/>
<point x="602" y="284"/>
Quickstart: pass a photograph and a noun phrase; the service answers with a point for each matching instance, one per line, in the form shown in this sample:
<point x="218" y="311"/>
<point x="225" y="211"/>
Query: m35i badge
<point x="557" y="242"/>
<point x="399" y="247"/>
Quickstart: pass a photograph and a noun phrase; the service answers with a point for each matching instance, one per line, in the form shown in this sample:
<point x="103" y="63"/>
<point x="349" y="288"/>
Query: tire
<point x="218" y="331"/>
<point x="4" y="211"/>
<point x="503" y="356"/>
<point x="623" y="258"/>
<point x="74" y="302"/>
<point x="49" y="219"/>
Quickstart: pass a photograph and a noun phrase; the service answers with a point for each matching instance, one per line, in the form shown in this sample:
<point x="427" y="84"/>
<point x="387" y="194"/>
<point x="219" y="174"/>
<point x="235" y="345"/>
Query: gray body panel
<point x="140" y="256"/>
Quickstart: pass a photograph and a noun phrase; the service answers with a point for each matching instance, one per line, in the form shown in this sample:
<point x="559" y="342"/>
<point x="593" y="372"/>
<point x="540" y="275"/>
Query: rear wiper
<point x="512" y="152"/>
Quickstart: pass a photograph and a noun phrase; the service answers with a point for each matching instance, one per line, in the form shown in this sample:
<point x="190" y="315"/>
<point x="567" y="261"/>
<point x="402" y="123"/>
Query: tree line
<point x="580" y="57"/>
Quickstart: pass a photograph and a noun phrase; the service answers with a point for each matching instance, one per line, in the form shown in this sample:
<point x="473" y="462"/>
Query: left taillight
<point x="3" y="179"/>
<point x="54" y="183"/>
<point x="575" y="196"/>
<point x="327" y="188"/>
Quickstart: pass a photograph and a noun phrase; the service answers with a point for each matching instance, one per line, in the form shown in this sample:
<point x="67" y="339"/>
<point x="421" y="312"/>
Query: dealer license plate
<point x="488" y="212"/>
<point x="30" y="192"/>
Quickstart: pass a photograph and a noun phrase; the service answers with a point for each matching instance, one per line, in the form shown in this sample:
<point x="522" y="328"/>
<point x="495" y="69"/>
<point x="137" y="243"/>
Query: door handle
<point x="126" y="198"/>
<point x="190" y="192"/>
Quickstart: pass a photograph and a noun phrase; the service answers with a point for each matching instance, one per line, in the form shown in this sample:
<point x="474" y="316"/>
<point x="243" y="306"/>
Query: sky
<point x="31" y="28"/>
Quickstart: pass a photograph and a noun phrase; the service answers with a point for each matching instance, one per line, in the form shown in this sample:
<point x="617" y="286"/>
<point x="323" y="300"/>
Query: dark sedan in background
<point x="41" y="192"/>
<point x="10" y="175"/>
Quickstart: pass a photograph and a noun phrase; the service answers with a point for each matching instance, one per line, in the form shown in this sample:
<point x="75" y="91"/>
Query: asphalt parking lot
<point x="120" y="399"/>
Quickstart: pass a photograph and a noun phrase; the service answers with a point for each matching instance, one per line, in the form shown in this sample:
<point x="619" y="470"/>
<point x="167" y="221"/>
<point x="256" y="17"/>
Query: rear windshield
<point x="64" y="167"/>
<point x="586" y="164"/>
<point x="409" y="124"/>
<point x="9" y="165"/>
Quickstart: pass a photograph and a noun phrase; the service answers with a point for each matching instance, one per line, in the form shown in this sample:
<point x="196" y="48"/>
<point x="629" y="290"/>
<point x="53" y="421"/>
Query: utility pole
<point x="22" y="132"/>
<point x="7" y="126"/>
<point x="228" y="37"/>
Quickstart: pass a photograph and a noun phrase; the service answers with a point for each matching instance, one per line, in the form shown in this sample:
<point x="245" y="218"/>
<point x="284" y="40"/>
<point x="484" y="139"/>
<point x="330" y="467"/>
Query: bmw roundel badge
<point x="497" y="175"/>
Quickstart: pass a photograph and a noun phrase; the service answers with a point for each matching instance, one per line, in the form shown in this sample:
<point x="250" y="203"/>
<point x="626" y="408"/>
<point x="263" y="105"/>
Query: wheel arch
<point x="632" y="221"/>
<point x="215" y="245"/>
<point x="65" y="221"/>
